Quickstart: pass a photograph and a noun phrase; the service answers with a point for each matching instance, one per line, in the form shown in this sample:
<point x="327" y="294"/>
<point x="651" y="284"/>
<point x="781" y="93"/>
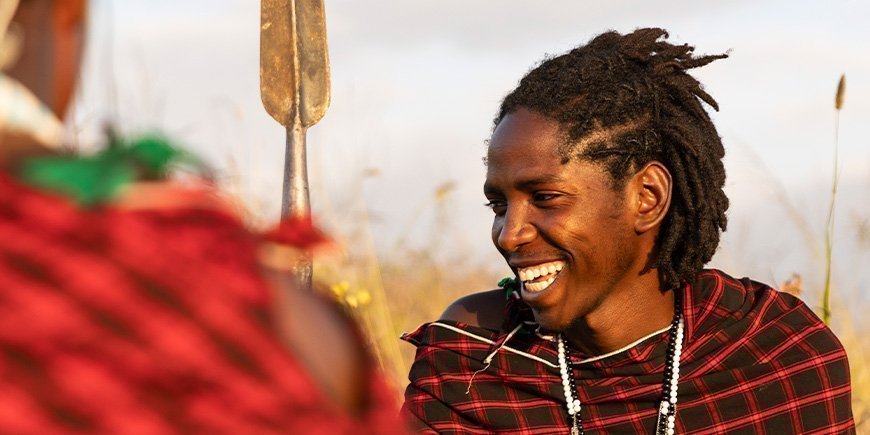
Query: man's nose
<point x="515" y="229"/>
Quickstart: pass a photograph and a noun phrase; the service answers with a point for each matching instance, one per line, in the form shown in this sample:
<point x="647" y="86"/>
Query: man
<point x="146" y="306"/>
<point x="605" y="175"/>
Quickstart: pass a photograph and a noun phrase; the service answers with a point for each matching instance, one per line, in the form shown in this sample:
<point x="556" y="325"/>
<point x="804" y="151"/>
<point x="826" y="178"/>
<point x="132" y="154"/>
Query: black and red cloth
<point x="754" y="361"/>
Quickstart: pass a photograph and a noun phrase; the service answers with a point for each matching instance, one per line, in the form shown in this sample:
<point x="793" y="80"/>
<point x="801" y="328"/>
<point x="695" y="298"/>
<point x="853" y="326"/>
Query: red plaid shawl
<point x="148" y="322"/>
<point x="754" y="361"/>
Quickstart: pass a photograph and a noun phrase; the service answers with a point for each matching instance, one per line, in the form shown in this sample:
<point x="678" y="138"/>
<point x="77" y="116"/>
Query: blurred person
<point x="605" y="176"/>
<point x="134" y="304"/>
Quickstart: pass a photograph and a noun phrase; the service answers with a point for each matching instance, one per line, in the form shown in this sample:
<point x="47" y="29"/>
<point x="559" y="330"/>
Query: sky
<point x="415" y="86"/>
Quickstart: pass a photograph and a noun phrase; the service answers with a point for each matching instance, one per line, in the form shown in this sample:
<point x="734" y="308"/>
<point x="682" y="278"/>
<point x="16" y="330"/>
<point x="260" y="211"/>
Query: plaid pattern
<point x="148" y="322"/>
<point x="755" y="361"/>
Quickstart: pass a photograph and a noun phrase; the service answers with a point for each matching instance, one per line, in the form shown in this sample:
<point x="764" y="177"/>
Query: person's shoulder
<point x="483" y="309"/>
<point x="771" y="313"/>
<point x="741" y="296"/>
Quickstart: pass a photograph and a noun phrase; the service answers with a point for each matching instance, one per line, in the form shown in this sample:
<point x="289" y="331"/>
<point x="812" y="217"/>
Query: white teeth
<point x="530" y="273"/>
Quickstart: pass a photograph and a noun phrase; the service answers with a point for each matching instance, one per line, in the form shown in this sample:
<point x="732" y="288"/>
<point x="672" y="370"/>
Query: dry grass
<point x="400" y="290"/>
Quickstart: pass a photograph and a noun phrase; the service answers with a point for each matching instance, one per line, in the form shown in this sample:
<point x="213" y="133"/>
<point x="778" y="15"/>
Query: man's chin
<point x="549" y="321"/>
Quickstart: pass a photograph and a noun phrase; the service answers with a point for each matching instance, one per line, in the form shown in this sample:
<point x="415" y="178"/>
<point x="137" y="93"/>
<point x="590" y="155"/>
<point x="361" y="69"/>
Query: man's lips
<point x="538" y="277"/>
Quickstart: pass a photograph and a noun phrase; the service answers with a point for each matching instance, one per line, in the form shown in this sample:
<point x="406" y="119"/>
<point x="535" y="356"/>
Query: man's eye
<point x="544" y="197"/>
<point x="496" y="205"/>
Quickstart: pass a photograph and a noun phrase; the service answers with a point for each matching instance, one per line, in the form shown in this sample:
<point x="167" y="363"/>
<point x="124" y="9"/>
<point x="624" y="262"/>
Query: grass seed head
<point x="841" y="90"/>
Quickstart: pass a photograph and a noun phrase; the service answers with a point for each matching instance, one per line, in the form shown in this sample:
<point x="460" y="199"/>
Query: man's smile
<point x="539" y="277"/>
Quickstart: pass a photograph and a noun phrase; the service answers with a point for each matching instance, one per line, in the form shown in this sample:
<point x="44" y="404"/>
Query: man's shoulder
<point x="718" y="296"/>
<point x="740" y="296"/>
<point x="766" y="316"/>
<point x="484" y="309"/>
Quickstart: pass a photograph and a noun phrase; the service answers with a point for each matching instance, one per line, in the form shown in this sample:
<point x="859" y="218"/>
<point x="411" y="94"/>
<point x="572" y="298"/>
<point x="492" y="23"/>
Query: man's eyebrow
<point x="537" y="181"/>
<point x="526" y="184"/>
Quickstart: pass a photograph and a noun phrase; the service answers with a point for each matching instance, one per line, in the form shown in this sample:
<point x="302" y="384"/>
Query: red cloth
<point x="152" y="322"/>
<point x="754" y="361"/>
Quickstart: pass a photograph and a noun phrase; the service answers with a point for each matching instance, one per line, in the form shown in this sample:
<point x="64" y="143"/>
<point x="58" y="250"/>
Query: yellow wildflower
<point x="363" y="296"/>
<point x="340" y="289"/>
<point x="351" y="301"/>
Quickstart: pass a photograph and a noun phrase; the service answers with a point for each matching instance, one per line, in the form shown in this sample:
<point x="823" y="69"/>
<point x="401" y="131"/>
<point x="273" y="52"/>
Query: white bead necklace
<point x="666" y="422"/>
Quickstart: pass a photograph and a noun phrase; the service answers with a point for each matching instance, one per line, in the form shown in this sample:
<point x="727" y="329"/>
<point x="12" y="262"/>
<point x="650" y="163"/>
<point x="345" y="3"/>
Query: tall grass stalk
<point x="378" y="318"/>
<point x="829" y="228"/>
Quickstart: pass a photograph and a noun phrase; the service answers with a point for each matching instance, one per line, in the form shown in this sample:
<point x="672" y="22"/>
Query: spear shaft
<point x="295" y="200"/>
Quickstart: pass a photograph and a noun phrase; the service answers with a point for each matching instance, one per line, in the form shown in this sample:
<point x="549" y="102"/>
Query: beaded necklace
<point x="666" y="422"/>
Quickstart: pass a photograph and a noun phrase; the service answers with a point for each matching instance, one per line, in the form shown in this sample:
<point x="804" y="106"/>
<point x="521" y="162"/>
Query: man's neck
<point x="623" y="318"/>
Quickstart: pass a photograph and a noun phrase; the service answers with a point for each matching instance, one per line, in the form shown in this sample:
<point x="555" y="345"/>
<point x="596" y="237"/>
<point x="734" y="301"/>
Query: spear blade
<point x="294" y="64"/>
<point x="294" y="88"/>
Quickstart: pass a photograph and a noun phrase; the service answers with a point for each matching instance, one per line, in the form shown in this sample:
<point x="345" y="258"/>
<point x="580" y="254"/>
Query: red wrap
<point x="147" y="321"/>
<point x="754" y="361"/>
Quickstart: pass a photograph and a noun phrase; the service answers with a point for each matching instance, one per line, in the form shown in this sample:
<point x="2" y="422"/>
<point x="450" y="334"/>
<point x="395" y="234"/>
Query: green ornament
<point x="509" y="285"/>
<point x="91" y="180"/>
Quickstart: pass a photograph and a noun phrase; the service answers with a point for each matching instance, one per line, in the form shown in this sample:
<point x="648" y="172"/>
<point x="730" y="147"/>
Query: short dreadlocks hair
<point x="624" y="101"/>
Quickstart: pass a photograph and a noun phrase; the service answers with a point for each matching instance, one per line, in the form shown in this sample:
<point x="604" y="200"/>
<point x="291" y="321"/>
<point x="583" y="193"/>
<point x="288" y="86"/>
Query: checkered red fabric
<point x="754" y="361"/>
<point x="148" y="322"/>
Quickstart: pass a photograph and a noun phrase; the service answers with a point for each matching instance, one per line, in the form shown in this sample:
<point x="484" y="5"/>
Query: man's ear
<point x="653" y="190"/>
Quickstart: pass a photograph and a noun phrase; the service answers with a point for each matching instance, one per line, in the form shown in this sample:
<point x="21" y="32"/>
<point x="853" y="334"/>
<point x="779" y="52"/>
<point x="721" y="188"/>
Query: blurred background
<point x="396" y="170"/>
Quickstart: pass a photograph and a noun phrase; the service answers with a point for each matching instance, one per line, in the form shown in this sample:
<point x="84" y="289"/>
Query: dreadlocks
<point x="626" y="100"/>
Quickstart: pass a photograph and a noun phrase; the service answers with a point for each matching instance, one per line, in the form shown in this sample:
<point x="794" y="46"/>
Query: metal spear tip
<point x="294" y="65"/>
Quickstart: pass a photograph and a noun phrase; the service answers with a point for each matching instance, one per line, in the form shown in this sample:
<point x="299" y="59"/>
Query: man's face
<point x="564" y="222"/>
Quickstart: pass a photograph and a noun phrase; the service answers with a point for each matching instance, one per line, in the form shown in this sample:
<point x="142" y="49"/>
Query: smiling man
<point x="605" y="176"/>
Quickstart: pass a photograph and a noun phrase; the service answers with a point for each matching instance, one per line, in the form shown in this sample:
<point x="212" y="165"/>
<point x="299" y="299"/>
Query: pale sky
<point x="415" y="86"/>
